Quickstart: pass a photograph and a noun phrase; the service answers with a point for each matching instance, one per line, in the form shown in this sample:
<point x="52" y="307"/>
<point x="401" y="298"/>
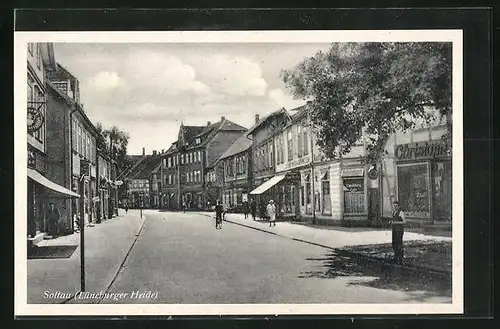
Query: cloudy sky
<point x="147" y="90"/>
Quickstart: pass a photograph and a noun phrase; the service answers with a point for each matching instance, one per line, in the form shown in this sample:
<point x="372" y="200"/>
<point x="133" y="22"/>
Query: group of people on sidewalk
<point x="270" y="209"/>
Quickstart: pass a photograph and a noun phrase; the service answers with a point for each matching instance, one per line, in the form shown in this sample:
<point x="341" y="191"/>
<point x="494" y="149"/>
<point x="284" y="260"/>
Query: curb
<point x="415" y="268"/>
<point x="136" y="237"/>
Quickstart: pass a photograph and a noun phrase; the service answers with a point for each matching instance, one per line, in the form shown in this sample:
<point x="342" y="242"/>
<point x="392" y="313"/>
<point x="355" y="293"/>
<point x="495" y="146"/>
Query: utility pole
<point x="84" y="170"/>
<point x="142" y="203"/>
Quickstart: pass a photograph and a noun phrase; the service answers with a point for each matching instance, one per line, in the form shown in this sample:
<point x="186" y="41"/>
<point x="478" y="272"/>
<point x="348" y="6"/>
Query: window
<point x="290" y="145"/>
<point x="306" y="141"/>
<point x="197" y="140"/>
<point x="270" y="154"/>
<point x="299" y="140"/>
<point x="354" y="195"/>
<point x="170" y="179"/>
<point x="169" y="161"/>
<point x="38" y="56"/>
<point x="413" y="190"/>
<point x="182" y="158"/>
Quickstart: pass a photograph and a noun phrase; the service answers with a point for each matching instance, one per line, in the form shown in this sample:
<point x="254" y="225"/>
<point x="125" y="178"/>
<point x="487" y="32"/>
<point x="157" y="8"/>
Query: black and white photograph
<point x="284" y="172"/>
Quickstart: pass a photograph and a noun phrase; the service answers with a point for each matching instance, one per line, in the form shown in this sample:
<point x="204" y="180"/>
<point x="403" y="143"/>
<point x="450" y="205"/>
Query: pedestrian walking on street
<point x="219" y="210"/>
<point x="271" y="212"/>
<point x="398" y="221"/>
<point x="53" y="217"/>
<point x="253" y="208"/>
<point x="126" y="208"/>
<point x="184" y="207"/>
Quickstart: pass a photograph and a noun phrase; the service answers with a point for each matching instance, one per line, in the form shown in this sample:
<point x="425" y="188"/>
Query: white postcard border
<point x="22" y="308"/>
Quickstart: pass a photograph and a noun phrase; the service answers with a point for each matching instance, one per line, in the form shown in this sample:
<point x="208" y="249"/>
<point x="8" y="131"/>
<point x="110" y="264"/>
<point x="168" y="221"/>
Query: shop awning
<point x="39" y="178"/>
<point x="268" y="184"/>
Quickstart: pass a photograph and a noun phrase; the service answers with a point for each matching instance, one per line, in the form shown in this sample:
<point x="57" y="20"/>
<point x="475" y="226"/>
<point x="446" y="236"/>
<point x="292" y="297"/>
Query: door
<point x="374" y="206"/>
<point x="327" y="200"/>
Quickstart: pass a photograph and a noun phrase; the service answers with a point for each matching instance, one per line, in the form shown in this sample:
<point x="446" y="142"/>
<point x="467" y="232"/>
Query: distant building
<point x="263" y="135"/>
<point x="137" y="181"/>
<point x="236" y="169"/>
<point x="188" y="160"/>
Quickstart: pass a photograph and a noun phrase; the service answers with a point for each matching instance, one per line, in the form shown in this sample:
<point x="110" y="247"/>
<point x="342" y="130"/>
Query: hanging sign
<point x="35" y="118"/>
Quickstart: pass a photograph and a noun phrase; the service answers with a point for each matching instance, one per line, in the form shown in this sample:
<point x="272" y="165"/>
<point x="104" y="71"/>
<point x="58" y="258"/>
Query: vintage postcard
<point x="238" y="173"/>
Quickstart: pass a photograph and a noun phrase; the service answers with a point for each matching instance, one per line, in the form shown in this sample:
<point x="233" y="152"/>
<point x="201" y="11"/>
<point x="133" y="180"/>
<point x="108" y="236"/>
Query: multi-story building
<point x="236" y="165"/>
<point x="72" y="146"/>
<point x="155" y="185"/>
<point x="105" y="185"/>
<point x="416" y="171"/>
<point x="41" y="189"/>
<point x="263" y="135"/>
<point x="188" y="160"/>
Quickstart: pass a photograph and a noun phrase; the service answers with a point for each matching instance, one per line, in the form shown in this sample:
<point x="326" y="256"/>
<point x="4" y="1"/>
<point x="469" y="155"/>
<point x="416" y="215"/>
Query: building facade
<point x="72" y="143"/>
<point x="417" y="171"/>
<point x="105" y="185"/>
<point x="138" y="181"/>
<point x="41" y="189"/>
<point x="236" y="165"/>
<point x="263" y="135"/>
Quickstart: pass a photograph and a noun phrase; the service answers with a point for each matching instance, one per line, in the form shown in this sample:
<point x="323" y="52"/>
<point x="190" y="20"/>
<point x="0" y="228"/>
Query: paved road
<point x="183" y="258"/>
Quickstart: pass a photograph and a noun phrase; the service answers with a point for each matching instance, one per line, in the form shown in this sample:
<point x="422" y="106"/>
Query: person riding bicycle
<point x="219" y="210"/>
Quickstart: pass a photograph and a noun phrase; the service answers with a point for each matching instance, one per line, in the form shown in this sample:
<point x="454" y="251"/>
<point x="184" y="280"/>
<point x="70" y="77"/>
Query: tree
<point x="378" y="87"/>
<point x="115" y="142"/>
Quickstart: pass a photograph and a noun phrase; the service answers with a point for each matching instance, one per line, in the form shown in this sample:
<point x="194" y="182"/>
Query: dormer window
<point x="197" y="141"/>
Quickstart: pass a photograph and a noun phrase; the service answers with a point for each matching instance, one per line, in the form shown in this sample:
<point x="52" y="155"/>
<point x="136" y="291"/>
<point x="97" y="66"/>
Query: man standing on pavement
<point x="398" y="222"/>
<point x="271" y="212"/>
<point x="218" y="215"/>
<point x="253" y="208"/>
<point x="53" y="220"/>
<point x="245" y="208"/>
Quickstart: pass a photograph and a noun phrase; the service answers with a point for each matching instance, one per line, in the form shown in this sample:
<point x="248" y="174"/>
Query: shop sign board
<point x="422" y="150"/>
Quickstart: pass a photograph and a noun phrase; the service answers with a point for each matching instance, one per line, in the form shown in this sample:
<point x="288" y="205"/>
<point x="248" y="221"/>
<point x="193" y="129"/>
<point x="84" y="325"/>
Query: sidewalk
<point x="106" y="246"/>
<point x="422" y="251"/>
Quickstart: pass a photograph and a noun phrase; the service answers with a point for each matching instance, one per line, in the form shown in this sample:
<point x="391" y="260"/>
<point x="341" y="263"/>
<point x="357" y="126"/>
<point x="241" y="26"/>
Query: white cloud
<point x="105" y="80"/>
<point x="284" y="100"/>
<point x="233" y="75"/>
<point x="162" y="72"/>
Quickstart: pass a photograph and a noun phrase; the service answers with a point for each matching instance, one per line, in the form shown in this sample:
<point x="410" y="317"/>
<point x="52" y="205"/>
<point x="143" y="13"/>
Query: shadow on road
<point x="420" y="286"/>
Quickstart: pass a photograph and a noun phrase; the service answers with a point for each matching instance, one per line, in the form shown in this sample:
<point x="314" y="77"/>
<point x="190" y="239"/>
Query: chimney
<point x="256" y="118"/>
<point x="143" y="151"/>
<point x="154" y="152"/>
<point x="208" y="123"/>
<point x="162" y="151"/>
<point x="222" y="118"/>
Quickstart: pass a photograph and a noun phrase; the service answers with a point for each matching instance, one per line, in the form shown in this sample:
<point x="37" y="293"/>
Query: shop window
<point x="413" y="190"/>
<point x="354" y="196"/>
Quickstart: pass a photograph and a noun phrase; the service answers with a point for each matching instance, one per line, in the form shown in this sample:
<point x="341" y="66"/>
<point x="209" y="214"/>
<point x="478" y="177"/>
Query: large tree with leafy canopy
<point x="380" y="87"/>
<point x="115" y="141"/>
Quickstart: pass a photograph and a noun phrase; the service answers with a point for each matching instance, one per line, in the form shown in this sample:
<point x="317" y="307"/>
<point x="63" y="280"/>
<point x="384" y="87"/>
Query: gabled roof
<point x="135" y="160"/>
<point x="209" y="131"/>
<point x="267" y="117"/>
<point x="240" y="145"/>
<point x="144" y="168"/>
<point x="190" y="132"/>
